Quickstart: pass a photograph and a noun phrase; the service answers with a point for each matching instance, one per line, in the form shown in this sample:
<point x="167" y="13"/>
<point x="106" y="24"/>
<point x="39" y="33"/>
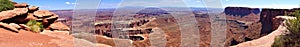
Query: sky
<point x="100" y="4"/>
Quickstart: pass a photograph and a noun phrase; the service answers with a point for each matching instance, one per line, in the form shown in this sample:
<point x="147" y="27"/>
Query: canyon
<point x="148" y="27"/>
<point x="243" y="24"/>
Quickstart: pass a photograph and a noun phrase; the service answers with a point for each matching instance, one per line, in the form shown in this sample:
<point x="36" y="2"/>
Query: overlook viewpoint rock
<point x="16" y="31"/>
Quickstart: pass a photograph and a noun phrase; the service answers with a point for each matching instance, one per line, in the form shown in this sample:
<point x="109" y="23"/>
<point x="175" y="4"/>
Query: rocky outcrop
<point x="13" y="28"/>
<point x="33" y="8"/>
<point x="15" y="33"/>
<point x="22" y="14"/>
<point x="12" y="13"/>
<point x="268" y="20"/>
<point x="43" y="13"/>
<point x="240" y="11"/>
<point x="59" y="26"/>
<point x="256" y="26"/>
<point x="267" y="41"/>
<point x="22" y="5"/>
<point x="44" y="39"/>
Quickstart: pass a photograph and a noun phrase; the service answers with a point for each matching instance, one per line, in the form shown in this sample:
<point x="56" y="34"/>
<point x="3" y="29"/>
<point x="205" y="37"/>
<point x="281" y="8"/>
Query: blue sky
<point x="70" y="4"/>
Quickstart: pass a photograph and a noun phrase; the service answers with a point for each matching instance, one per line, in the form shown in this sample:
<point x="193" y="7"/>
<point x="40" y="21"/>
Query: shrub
<point x="289" y="40"/>
<point x="6" y="5"/>
<point x="293" y="38"/>
<point x="35" y="26"/>
<point x="293" y="25"/>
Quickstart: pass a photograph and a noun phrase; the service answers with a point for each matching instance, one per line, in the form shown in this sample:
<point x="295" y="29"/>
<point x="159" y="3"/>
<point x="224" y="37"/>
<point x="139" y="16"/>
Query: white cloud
<point x="67" y="2"/>
<point x="70" y="3"/>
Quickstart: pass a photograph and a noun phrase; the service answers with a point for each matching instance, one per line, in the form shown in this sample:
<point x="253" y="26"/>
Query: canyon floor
<point x="139" y="28"/>
<point x="149" y="27"/>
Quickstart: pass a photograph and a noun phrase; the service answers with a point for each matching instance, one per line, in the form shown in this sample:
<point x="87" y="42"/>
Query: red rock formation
<point x="24" y="39"/>
<point x="22" y="5"/>
<point x="240" y="11"/>
<point x="268" y="40"/>
<point x="12" y="13"/>
<point x="12" y="28"/>
<point x="14" y="33"/>
<point x="105" y="29"/>
<point x="268" y="20"/>
<point x="33" y="8"/>
<point x="59" y="26"/>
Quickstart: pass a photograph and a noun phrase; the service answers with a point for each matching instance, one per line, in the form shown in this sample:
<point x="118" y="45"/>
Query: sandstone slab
<point x="43" y="13"/>
<point x="59" y="26"/>
<point x="22" y="5"/>
<point x="9" y="27"/>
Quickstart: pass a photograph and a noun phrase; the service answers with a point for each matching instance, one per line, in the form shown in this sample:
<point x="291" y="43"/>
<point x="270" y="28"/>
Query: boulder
<point x="12" y="13"/>
<point x="8" y="27"/>
<point x="43" y="13"/>
<point x="20" y="11"/>
<point x="59" y="26"/>
<point x="48" y="21"/>
<point x="33" y="8"/>
<point x="7" y="14"/>
<point x="51" y="19"/>
<point x="23" y="26"/>
<point x="15" y="25"/>
<point x="22" y="5"/>
<point x="17" y="15"/>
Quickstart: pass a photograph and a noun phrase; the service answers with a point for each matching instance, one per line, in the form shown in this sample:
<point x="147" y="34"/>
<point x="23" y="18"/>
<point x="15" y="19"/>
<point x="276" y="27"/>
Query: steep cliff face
<point x="240" y="11"/>
<point x="242" y="24"/>
<point x="268" y="20"/>
<point x="258" y="23"/>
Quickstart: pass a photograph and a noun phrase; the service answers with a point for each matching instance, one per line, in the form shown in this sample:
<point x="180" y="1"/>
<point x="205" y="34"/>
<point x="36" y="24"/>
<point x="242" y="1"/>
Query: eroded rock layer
<point x="17" y="29"/>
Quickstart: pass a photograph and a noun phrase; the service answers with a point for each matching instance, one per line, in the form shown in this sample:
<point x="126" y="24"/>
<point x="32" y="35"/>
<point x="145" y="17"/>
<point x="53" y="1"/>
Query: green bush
<point x="6" y="5"/>
<point x="289" y="40"/>
<point x="293" y="38"/>
<point x="293" y="25"/>
<point x="35" y="26"/>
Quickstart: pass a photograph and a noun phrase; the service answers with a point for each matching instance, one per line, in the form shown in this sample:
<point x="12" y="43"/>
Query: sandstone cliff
<point x="267" y="40"/>
<point x="240" y="11"/>
<point x="268" y="20"/>
<point x="16" y="32"/>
